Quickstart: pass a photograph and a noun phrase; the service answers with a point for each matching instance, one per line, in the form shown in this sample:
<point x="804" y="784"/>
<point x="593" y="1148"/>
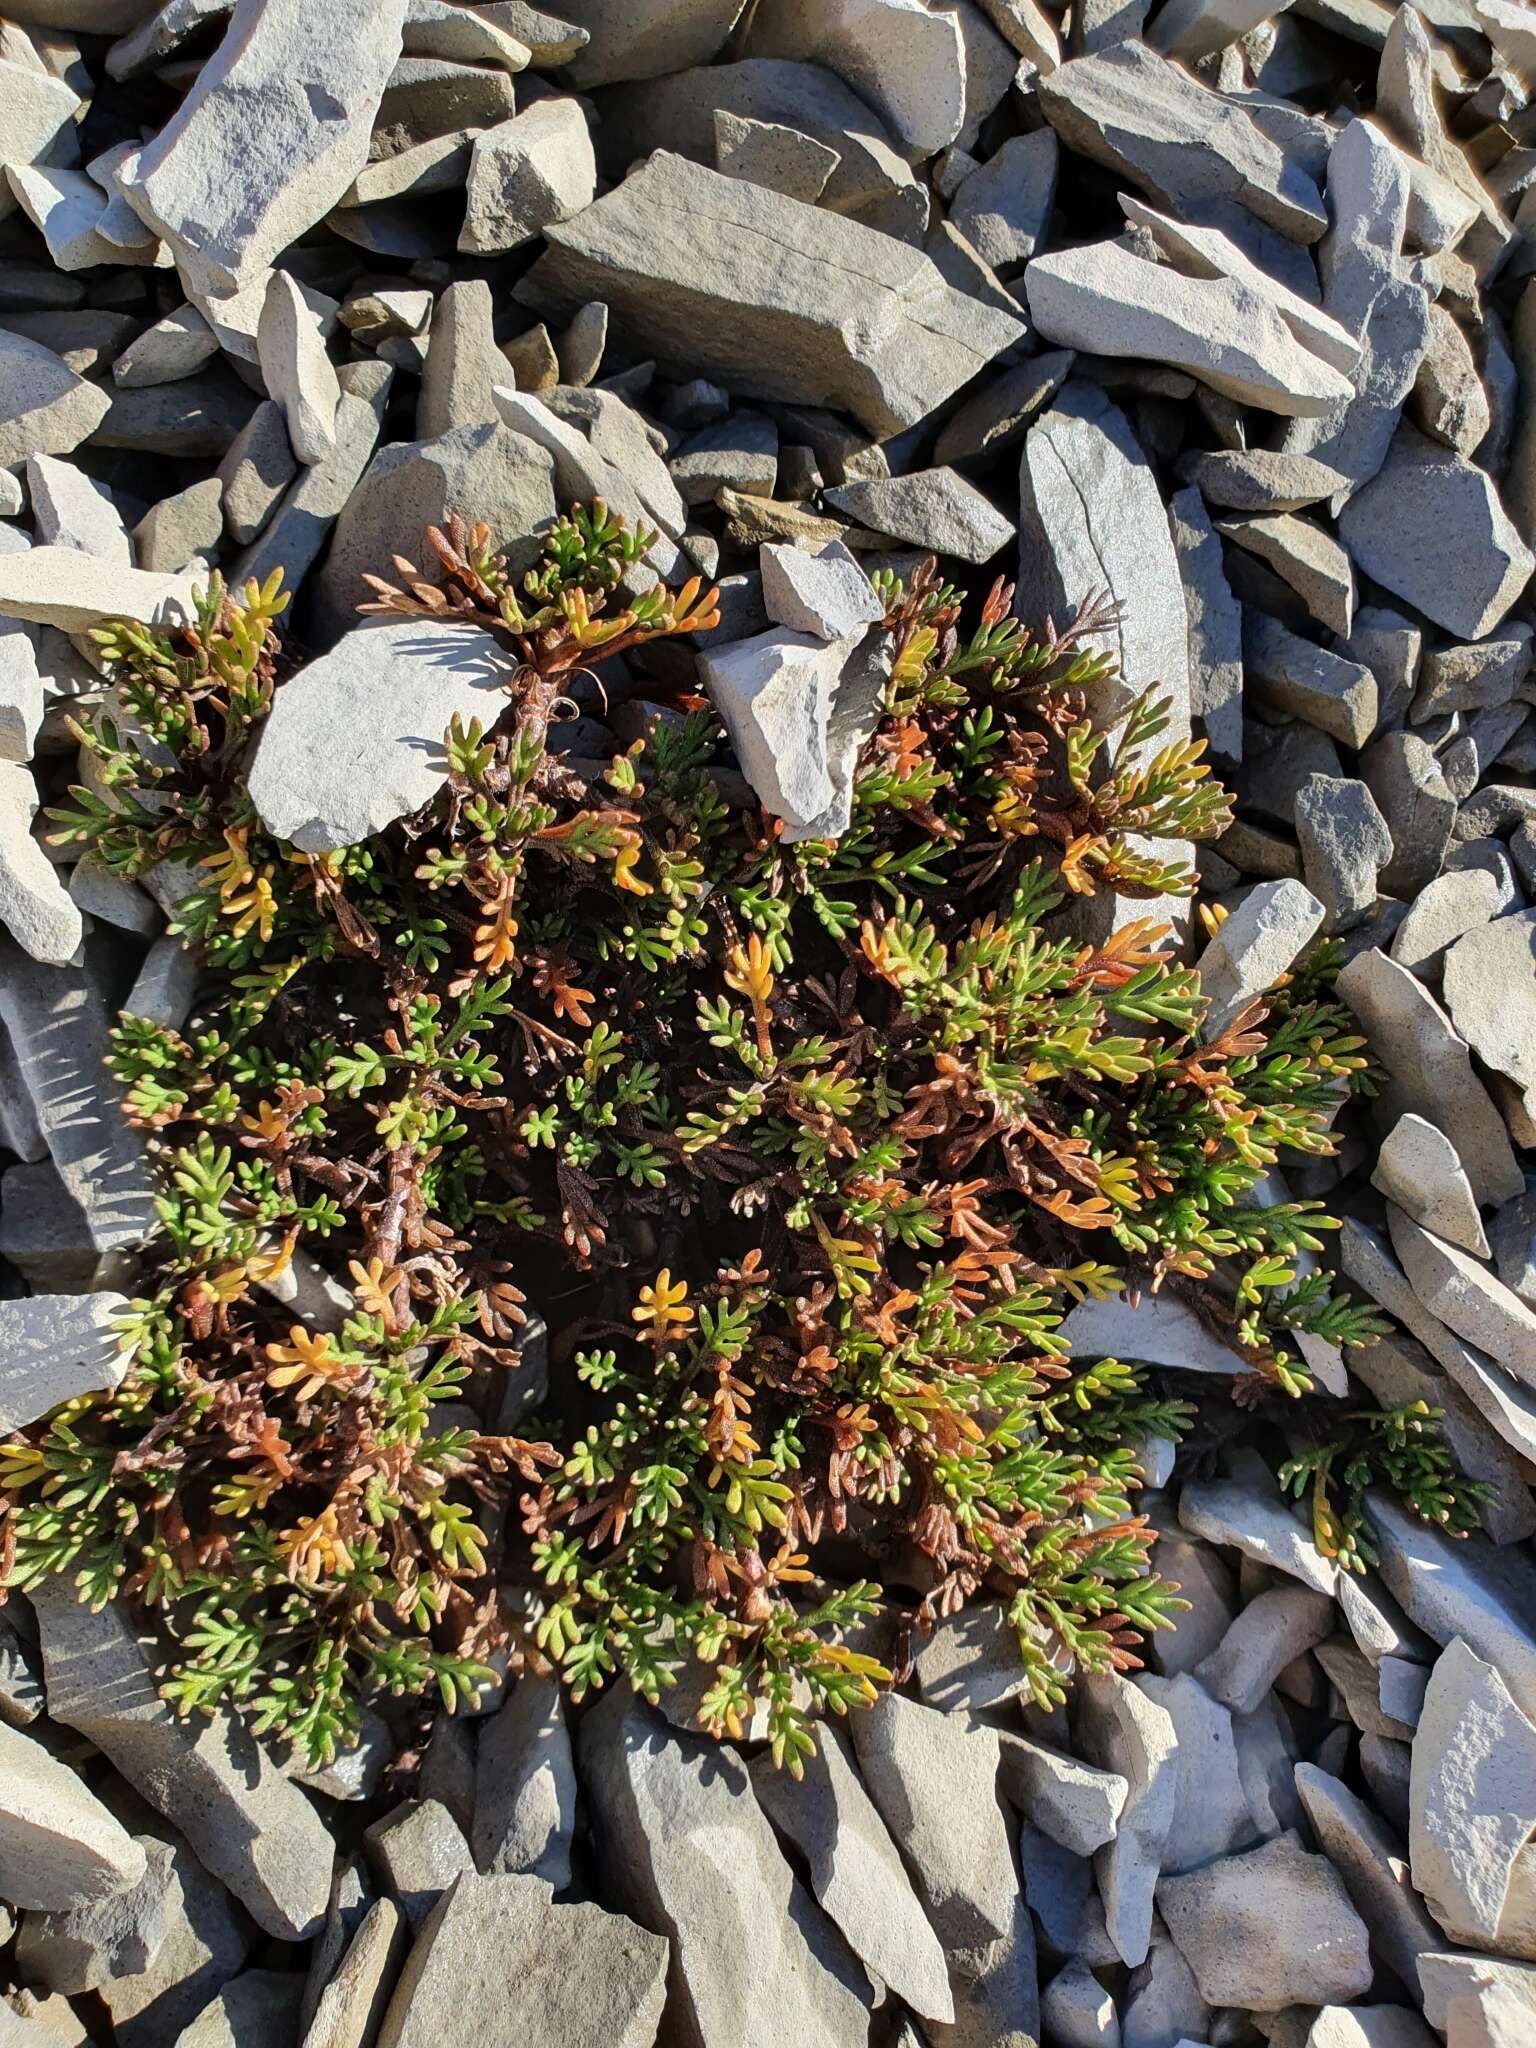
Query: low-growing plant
<point x="806" y="1150"/>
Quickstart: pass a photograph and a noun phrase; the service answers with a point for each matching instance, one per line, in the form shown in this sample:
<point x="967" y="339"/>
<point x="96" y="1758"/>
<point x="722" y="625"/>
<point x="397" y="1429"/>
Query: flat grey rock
<point x="1418" y="1169"/>
<point x="1274" y="1629"/>
<point x="60" y="586"/>
<point x="1459" y="901"/>
<point x="753" y="1960"/>
<point x="253" y="1829"/>
<point x="1428" y="1071"/>
<point x="858" y="318"/>
<point x="70" y="509"/>
<point x="1466" y="1297"/>
<point x="1373" y="1864"/>
<point x="929" y="508"/>
<point x="1269" y="1928"/>
<point x="740" y="453"/>
<point x="355" y="740"/>
<point x="1210" y="1811"/>
<point x="934" y="1779"/>
<point x="1076" y="1804"/>
<point x="1260" y="479"/>
<point x="1411" y="792"/>
<point x="1091" y="518"/>
<point x="1429" y="527"/>
<point x="270" y="137"/>
<point x="821" y="591"/>
<point x="1159" y="1330"/>
<point x="1490" y="991"/>
<point x="1257" y="943"/>
<point x="971" y="1660"/>
<point x="1215" y="627"/>
<point x="81" y="1947"/>
<point x="351" y="2005"/>
<point x="1448" y="400"/>
<point x="1472" y="1801"/>
<point x="60" y="1848"/>
<point x="463" y="365"/>
<point x="57" y="1346"/>
<point x="177" y="345"/>
<point x="1480" y="676"/>
<point x="1184" y="146"/>
<point x="1107" y="297"/>
<point x="1260" y="1524"/>
<point x="35" y="907"/>
<point x="257" y="2009"/>
<point x="768" y="153"/>
<point x="45" y="408"/>
<point x="856" y="1873"/>
<point x="527" y="174"/>
<point x="625" y="42"/>
<point x="1003" y="207"/>
<point x="1122" y="1730"/>
<point x="497" y="1954"/>
<point x="182" y="528"/>
<point x="1307" y="557"/>
<point x="1001" y="406"/>
<point x="525" y="1786"/>
<point x="1344" y="845"/>
<point x="296" y="369"/>
<point x="581" y="470"/>
<point x="1294" y="675"/>
<point x="418" y="1851"/>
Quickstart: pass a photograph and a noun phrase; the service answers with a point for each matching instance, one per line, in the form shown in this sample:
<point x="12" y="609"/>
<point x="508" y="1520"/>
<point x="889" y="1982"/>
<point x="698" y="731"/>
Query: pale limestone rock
<point x="1418" y="1169"/>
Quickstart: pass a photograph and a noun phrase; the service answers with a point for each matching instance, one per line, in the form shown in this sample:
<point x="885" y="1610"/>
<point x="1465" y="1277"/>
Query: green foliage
<point x="1397" y="1448"/>
<point x="807" y="1149"/>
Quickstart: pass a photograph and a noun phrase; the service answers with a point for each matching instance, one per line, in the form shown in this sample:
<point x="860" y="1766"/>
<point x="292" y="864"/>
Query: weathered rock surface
<point x="801" y="304"/>
<point x="1272" y="1927"/>
<point x="1121" y="1730"/>
<point x="59" y="1846"/>
<point x="525" y="1786"/>
<point x="1418" y="1170"/>
<point x="1254" y="946"/>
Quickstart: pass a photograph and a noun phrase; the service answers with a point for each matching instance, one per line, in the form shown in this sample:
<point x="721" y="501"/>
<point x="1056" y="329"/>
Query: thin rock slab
<point x="856" y="1873"/>
<point x="1273" y="1630"/>
<point x="1186" y="147"/>
<point x="821" y="591"/>
<point x="934" y="1779"/>
<point x="253" y="1829"/>
<point x="1455" y="903"/>
<point x="1210" y="1813"/>
<point x="57" y="1346"/>
<point x="1472" y="1801"/>
<point x="1260" y="1524"/>
<point x="1429" y="527"/>
<point x="350" y="2009"/>
<point x="498" y="1956"/>
<point x="1269" y="1928"/>
<point x="258" y="2009"/>
<point x="773" y="298"/>
<point x="1461" y="1292"/>
<point x="1091" y="518"/>
<point x="1308" y="558"/>
<point x="688" y="1852"/>
<point x="1428" y="1071"/>
<point x="934" y="509"/>
<point x="45" y="409"/>
<point x="418" y="1851"/>
<point x="1122" y="1730"/>
<point x="60" y="1848"/>
<point x="297" y="371"/>
<point x="1373" y="1864"/>
<point x="1258" y="942"/>
<point x="1215" y="627"/>
<point x="526" y="175"/>
<point x="1490" y="991"/>
<point x="269" y="138"/>
<point x="35" y="907"/>
<point x="355" y="739"/>
<point x="525" y="1786"/>
<point x="84" y="1946"/>
<point x="1158" y="1329"/>
<point x="1417" y="1168"/>
<point x="1076" y="1804"/>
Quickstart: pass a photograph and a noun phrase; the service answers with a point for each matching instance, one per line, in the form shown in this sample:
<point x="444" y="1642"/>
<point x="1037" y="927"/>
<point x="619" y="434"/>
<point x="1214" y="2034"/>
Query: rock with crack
<point x="499" y="1948"/>
<point x="269" y="138"/>
<point x="296" y="369"/>
<point x="689" y="1853"/>
<point x="934" y="1779"/>
<point x="355" y="739"/>
<point x="1215" y="621"/>
<point x="857" y="1874"/>
<point x="773" y="298"/>
<point x="1122" y="1730"/>
<point x="768" y="153"/>
<point x="1490" y="991"/>
<point x="1254" y="945"/>
<point x="527" y="174"/>
<point x="60" y="1848"/>
<point x="1367" y="289"/>
<point x="1417" y="1168"/>
<point x="1466" y="1297"/>
<point x="255" y="1830"/>
<point x="798" y="709"/>
<point x="350" y="2008"/>
<point x="933" y="509"/>
<point x="1091" y="518"/>
<point x="1344" y="845"/>
<point x="1183" y="145"/>
<point x="1473" y="1804"/>
<point x="1107" y="297"/>
<point x="1428" y="1071"/>
<point x="1429" y="527"/>
<point x="525" y="1786"/>
<point x="1269" y="1928"/>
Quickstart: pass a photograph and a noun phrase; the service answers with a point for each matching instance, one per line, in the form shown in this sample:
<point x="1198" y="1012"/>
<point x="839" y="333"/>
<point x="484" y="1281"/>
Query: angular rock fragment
<point x="1466" y="1297"/>
<point x="254" y="1830"/>
<point x="65" y="207"/>
<point x="1297" y="676"/>
<point x="1106" y="297"/>
<point x="463" y="366"/>
<point x="350" y="2008"/>
<point x="823" y="592"/>
<point x="690" y="1853"/>
<point x="1429" y="527"/>
<point x="499" y="1949"/>
<point x="270" y="137"/>
<point x="907" y="63"/>
<point x="1258" y="1523"/>
<point x="1344" y="845"/>
<point x="1473" y="1803"/>
<point x="767" y="153"/>
<point x="57" y="1346"/>
<point x="1428" y="1071"/>
<point x="1479" y="677"/>
<point x="934" y="1779"/>
<point x="1273" y="1630"/>
<point x="1185" y="146"/>
<point x="1308" y="558"/>
<point x="1003" y="207"/>
<point x="181" y="528"/>
<point x="527" y="174"/>
<point x="60" y="1848"/>
<point x="355" y="740"/>
<point x="1402" y="774"/>
<point x="1124" y="1731"/>
<point x="45" y="409"/>
<point x="1210" y="1812"/>
<point x="83" y="1946"/>
<point x="1455" y="903"/>
<point x="1490" y="991"/>
<point x="1270" y="1928"/>
<point x="418" y="1851"/>
<point x="1373" y="1864"/>
<point x="1418" y="1169"/>
<point x="857" y="1874"/>
<point x="257" y="2009"/>
<point x="1260" y="479"/>
<point x="1448" y="400"/>
<point x="1215" y="627"/>
<point x="525" y="1786"/>
<point x="35" y="907"/>
<point x="297" y="371"/>
<point x="1159" y="1329"/>
<point x="971" y="1661"/>
<point x="1074" y="1803"/>
<point x="1254" y="946"/>
<point x="777" y="299"/>
<point x="1091" y="518"/>
<point x="930" y="508"/>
